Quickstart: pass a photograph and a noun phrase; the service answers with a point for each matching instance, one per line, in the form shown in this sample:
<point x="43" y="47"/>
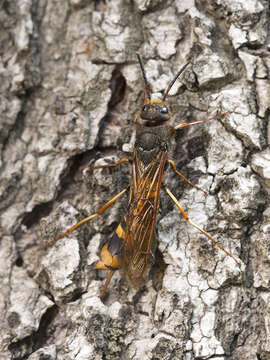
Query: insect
<point x="131" y="246"/>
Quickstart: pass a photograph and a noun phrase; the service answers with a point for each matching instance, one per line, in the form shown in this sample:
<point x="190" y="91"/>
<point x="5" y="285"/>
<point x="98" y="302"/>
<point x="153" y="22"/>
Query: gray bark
<point x="70" y="88"/>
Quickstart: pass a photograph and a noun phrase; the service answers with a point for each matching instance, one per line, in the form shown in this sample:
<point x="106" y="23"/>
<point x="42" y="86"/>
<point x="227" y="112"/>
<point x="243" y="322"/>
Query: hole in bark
<point x="38" y="212"/>
<point x="23" y="348"/>
<point x="118" y="87"/>
<point x="19" y="262"/>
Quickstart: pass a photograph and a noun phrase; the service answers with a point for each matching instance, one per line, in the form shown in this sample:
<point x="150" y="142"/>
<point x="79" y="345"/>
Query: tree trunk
<point x="70" y="87"/>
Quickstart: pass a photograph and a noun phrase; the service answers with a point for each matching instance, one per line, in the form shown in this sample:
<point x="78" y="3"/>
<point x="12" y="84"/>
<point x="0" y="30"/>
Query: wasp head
<point x="155" y="113"/>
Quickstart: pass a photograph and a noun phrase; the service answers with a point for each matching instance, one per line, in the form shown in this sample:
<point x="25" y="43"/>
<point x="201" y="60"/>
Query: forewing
<point x="141" y="216"/>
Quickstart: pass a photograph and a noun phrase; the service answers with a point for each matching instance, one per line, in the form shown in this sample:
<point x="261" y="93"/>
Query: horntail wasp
<point x="132" y="243"/>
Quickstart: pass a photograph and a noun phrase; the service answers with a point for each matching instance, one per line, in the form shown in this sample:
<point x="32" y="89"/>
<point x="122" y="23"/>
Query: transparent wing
<point x="141" y="216"/>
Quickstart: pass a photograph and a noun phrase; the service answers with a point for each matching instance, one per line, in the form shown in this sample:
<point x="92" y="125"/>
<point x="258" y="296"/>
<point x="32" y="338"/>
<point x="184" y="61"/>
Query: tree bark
<point x="70" y="88"/>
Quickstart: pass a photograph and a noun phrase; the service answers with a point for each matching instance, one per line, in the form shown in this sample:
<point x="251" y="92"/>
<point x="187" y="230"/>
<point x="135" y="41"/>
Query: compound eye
<point x="164" y="110"/>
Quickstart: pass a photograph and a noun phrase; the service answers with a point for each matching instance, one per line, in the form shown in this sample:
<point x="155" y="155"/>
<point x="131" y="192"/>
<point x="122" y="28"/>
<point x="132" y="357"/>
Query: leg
<point x="180" y="126"/>
<point x="109" y="277"/>
<point x="183" y="177"/>
<point x="85" y="220"/>
<point x="111" y="164"/>
<point x="197" y="227"/>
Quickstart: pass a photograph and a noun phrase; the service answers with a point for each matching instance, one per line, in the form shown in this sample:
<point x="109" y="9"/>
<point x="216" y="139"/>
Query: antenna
<point x="147" y="90"/>
<point x="174" y="79"/>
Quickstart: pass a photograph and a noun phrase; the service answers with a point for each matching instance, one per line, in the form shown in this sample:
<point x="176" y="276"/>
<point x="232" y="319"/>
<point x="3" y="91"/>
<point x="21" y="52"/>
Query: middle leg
<point x="171" y="162"/>
<point x="198" y="227"/>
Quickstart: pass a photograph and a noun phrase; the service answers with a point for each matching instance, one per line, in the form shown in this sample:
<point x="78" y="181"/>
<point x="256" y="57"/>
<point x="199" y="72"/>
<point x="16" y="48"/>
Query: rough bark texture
<point x="70" y="87"/>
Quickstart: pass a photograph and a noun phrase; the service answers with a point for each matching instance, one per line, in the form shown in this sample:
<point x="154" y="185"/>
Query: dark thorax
<point x="152" y="131"/>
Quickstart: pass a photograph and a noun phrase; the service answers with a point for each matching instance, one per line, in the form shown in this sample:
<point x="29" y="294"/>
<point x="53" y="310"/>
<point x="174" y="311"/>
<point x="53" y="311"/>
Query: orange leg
<point x="111" y="164"/>
<point x="180" y="126"/>
<point x="85" y="220"/>
<point x="183" y="177"/>
<point x="109" y="277"/>
<point x="197" y="227"/>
